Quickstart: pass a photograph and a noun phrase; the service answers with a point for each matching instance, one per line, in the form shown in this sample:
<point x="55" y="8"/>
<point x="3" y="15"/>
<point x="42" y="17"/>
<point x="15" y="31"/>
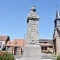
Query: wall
<point x="1" y="44"/>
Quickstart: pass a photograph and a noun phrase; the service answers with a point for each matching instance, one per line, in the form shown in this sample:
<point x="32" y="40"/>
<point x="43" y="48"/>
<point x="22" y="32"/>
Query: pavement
<point x="18" y="56"/>
<point x="43" y="56"/>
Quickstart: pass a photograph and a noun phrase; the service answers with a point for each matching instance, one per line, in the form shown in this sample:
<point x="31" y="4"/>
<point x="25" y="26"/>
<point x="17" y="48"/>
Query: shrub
<point x="6" y="56"/>
<point x="58" y="58"/>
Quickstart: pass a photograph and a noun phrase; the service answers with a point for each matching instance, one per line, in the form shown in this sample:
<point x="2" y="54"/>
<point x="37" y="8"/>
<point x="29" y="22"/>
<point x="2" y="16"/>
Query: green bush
<point x="58" y="58"/>
<point x="6" y="56"/>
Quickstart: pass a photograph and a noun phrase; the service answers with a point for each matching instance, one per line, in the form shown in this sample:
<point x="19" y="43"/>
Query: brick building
<point x="15" y="46"/>
<point x="46" y="45"/>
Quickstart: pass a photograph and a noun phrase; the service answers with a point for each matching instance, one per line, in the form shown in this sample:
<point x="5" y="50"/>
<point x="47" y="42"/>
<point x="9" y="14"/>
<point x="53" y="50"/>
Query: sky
<point x="13" y="17"/>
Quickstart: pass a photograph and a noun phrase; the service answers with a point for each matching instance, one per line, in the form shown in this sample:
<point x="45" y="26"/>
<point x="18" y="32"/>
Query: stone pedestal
<point x="32" y="52"/>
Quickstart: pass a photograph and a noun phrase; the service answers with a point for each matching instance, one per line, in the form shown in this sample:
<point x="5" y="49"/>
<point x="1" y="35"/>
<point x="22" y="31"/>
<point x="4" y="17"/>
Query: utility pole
<point x="24" y="43"/>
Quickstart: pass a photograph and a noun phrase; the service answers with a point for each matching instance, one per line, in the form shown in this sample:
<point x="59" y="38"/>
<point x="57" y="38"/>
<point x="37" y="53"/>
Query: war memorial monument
<point x="32" y="50"/>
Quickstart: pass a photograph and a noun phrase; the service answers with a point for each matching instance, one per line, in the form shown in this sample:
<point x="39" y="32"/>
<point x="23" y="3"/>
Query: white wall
<point x="1" y="44"/>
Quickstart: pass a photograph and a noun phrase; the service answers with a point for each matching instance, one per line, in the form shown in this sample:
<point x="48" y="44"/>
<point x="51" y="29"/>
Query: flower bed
<point x="6" y="56"/>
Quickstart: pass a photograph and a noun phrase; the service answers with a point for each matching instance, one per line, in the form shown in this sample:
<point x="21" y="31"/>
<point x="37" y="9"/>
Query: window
<point x="0" y="46"/>
<point x="16" y="48"/>
<point x="15" y="42"/>
<point x="9" y="48"/>
<point x="44" y="48"/>
<point x="0" y="43"/>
